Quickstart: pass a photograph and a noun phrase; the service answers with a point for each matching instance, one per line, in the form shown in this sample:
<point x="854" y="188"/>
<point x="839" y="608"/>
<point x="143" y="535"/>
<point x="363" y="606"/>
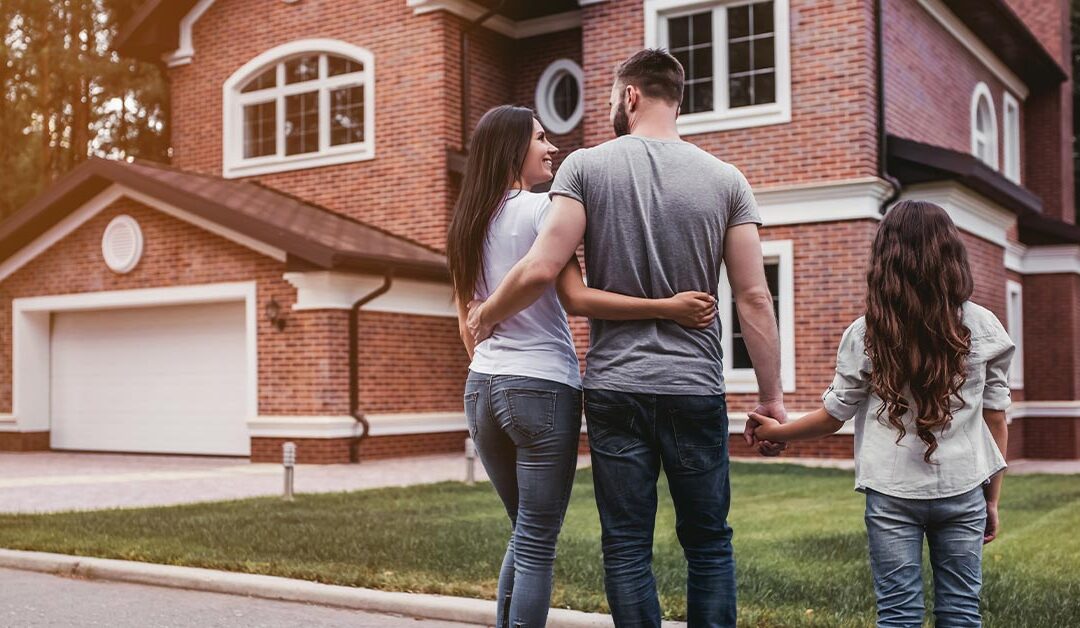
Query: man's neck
<point x="658" y="127"/>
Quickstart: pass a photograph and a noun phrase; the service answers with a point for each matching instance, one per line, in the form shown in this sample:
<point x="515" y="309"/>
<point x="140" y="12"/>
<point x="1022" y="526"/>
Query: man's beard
<point x="622" y="120"/>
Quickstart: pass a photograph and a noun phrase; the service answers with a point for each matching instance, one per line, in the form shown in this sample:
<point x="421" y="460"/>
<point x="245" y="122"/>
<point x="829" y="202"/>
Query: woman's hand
<point x="695" y="310"/>
<point x="766" y="427"/>
<point x="993" y="523"/>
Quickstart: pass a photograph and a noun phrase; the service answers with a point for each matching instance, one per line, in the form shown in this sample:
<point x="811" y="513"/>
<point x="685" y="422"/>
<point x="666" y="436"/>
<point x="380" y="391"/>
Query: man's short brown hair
<point x="655" y="72"/>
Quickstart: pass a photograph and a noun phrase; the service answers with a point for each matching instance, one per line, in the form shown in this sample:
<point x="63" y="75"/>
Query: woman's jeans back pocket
<point x="531" y="410"/>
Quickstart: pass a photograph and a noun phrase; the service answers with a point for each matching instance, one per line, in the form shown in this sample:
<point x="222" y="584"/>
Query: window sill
<point x="300" y="162"/>
<point x="743" y="118"/>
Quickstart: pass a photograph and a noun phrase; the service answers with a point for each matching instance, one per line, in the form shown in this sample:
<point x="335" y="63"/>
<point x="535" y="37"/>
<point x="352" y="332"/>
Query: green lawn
<point x="799" y="537"/>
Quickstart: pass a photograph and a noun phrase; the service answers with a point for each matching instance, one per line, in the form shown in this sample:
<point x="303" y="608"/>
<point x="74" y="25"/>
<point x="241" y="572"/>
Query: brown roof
<point x="311" y="236"/>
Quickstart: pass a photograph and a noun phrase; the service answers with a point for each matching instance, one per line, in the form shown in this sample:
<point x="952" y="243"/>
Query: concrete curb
<point x="421" y="606"/>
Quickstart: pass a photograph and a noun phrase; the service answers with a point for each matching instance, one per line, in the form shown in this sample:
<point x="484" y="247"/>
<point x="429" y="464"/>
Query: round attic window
<point x="560" y="102"/>
<point x="122" y="244"/>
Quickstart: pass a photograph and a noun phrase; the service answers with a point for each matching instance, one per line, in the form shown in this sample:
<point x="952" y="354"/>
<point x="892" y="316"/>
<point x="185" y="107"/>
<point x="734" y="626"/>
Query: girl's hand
<point x="993" y="523"/>
<point x="695" y="310"/>
<point x="766" y="428"/>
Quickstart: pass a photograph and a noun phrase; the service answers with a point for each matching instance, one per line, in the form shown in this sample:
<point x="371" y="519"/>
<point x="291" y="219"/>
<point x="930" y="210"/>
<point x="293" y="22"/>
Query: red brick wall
<point x="832" y="134"/>
<point x="1051" y="438"/>
<point x="1052" y="337"/>
<point x="921" y="103"/>
<point x="405" y="187"/>
<point x="533" y="56"/>
<point x="988" y="269"/>
<point x="1049" y="21"/>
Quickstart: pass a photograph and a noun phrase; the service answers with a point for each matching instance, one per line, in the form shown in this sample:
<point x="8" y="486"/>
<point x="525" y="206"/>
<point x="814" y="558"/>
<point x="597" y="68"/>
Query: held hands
<point x="480" y="331"/>
<point x="769" y="414"/>
<point x="696" y="310"/>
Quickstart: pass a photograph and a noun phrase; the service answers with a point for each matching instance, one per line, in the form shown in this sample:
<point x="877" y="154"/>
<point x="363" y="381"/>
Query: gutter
<point x="466" y="112"/>
<point x="883" y="135"/>
<point x="354" y="360"/>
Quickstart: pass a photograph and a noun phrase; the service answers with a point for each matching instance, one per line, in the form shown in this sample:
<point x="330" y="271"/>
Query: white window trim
<point x="233" y="162"/>
<point x="1013" y="289"/>
<point x="982" y="91"/>
<point x="744" y="380"/>
<point x="1011" y="138"/>
<point x="545" y="92"/>
<point x="656" y="12"/>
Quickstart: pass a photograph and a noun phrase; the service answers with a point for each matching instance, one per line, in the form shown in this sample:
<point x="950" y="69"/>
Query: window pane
<point x="302" y="69"/>
<point x="738" y="22"/>
<point x="566" y="95"/>
<point x="260" y="129"/>
<point x="702" y="61"/>
<point x="739" y="57"/>
<point x="764" y="57"/>
<point x="764" y="88"/>
<point x="347" y="115"/>
<point x="683" y="57"/>
<point x="678" y="32"/>
<point x="263" y="81"/>
<point x="302" y="123"/>
<point x="702" y="28"/>
<point x="763" y="18"/>
<point x="739" y="91"/>
<point x="702" y="97"/>
<point x="341" y="65"/>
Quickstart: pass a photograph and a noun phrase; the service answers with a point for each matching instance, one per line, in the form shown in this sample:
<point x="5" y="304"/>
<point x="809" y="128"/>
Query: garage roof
<point x="311" y="236"/>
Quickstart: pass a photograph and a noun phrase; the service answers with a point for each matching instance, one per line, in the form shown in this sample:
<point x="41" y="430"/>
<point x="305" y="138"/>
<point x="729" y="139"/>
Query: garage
<point x="161" y="379"/>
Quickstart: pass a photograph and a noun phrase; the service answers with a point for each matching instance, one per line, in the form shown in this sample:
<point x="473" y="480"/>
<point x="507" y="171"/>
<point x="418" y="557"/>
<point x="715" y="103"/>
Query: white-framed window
<point x="984" y="131"/>
<point x="780" y="275"/>
<point x="1014" y="309"/>
<point x="560" y="96"/>
<point x="1011" y="138"/>
<point x="303" y="104"/>
<point x="737" y="59"/>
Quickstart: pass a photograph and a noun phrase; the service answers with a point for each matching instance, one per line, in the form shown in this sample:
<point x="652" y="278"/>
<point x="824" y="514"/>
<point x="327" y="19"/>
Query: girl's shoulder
<point x="988" y="335"/>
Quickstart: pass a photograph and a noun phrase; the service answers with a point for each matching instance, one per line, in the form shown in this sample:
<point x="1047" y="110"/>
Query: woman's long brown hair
<point x="918" y="281"/>
<point x="496" y="157"/>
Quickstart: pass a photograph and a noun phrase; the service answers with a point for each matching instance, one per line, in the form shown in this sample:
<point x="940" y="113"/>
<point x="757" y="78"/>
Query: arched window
<point x="560" y="101"/>
<point x="984" y="132"/>
<point x="301" y="105"/>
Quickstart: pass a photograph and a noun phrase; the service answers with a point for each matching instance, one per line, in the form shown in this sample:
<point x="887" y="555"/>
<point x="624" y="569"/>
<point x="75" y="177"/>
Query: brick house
<point x="283" y="279"/>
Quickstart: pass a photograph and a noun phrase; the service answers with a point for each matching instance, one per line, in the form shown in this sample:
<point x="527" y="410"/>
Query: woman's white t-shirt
<point x="535" y="342"/>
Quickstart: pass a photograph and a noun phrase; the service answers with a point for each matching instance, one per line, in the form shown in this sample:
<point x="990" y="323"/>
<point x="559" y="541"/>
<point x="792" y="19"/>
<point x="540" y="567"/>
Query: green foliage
<point x="799" y="540"/>
<point x="67" y="95"/>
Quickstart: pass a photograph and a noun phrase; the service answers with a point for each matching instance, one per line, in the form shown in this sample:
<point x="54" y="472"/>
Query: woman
<point x="523" y="393"/>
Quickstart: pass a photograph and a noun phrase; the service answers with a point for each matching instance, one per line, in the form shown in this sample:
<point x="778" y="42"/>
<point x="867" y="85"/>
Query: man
<point x="663" y="215"/>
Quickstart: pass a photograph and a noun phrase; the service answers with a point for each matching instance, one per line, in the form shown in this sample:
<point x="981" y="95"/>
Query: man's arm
<point x="557" y="241"/>
<point x="746" y="274"/>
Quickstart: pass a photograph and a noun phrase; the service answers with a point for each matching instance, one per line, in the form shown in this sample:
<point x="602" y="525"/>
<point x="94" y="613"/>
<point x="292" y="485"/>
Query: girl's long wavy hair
<point x="496" y="158"/>
<point x="918" y="346"/>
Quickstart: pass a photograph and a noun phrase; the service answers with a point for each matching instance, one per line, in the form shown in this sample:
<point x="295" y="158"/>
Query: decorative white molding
<point x="31" y="337"/>
<point x="979" y="95"/>
<point x="1055" y="259"/>
<point x="107" y="197"/>
<point x="971" y="212"/>
<point x="1014" y="257"/>
<point x="330" y="290"/>
<point x="856" y="199"/>
<point x="233" y="101"/>
<point x="956" y="28"/>
<point x="416" y="423"/>
<point x="545" y="92"/>
<point x="500" y="24"/>
<point x="1045" y="410"/>
<point x="303" y="427"/>
<point x="7" y="418"/>
<point x="723" y="118"/>
<point x="745" y="380"/>
<point x="183" y="54"/>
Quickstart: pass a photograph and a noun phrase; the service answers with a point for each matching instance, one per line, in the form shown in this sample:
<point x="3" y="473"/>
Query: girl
<point x="925" y="377"/>
<point x="523" y="393"/>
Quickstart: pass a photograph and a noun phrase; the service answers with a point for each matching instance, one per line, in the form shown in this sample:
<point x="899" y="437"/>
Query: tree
<point x="67" y="95"/>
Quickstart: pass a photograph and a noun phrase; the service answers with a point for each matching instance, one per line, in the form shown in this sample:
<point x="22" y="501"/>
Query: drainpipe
<point x="354" y="358"/>
<point x="464" y="63"/>
<point x="883" y="134"/>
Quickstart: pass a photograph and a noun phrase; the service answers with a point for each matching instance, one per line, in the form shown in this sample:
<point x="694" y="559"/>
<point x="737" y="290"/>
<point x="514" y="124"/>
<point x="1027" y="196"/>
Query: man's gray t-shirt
<point x="657" y="212"/>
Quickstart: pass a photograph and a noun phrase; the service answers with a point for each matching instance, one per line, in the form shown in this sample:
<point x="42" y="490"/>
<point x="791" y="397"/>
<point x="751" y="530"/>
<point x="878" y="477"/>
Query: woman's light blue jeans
<point x="526" y="432"/>
<point x="953" y="527"/>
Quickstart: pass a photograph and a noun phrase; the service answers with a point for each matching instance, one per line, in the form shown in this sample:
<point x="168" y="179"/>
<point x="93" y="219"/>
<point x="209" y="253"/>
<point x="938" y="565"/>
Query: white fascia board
<point x="499" y="23"/>
<point x="416" y="423"/>
<point x="973" y="213"/>
<point x="330" y="290"/>
<point x="186" y="50"/>
<point x="303" y="427"/>
<point x="857" y="199"/>
<point x="1052" y="259"/>
<point x="955" y="27"/>
<point x="1045" y="409"/>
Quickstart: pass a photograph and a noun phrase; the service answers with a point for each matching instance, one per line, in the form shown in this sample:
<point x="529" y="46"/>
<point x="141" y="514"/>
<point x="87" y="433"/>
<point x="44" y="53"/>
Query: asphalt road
<point x="35" y="600"/>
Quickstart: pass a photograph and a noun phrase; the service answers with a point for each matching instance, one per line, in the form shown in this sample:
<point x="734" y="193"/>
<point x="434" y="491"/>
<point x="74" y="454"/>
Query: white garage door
<point x="154" y="379"/>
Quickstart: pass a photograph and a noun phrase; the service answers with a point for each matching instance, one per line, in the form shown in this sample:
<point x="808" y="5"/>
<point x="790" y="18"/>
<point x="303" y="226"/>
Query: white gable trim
<point x="183" y="54"/>
<point x="500" y="24"/>
<point x="330" y="290"/>
<point x="107" y="197"/>
<point x="952" y="24"/>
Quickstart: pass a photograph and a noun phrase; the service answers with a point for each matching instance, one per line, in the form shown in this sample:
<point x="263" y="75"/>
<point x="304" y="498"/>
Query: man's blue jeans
<point x="954" y="528"/>
<point x="526" y="431"/>
<point x="631" y="436"/>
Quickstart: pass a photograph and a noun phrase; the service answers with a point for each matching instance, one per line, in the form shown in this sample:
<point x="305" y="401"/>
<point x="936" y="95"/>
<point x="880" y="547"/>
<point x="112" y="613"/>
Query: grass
<point x="799" y="538"/>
